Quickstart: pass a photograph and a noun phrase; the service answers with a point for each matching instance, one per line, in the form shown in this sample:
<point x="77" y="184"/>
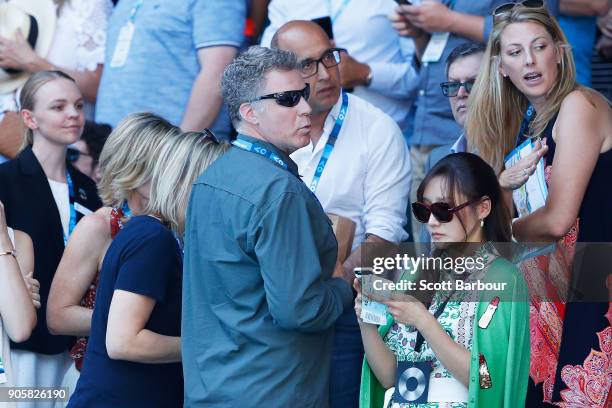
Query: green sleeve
<point x="504" y="343"/>
<point x="372" y="393"/>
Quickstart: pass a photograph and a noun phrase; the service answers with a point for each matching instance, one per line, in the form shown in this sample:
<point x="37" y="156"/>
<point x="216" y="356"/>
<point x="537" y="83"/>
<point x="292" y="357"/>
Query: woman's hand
<point x="17" y="54"/>
<point x="517" y="175"/>
<point x="33" y="288"/>
<point x="408" y="311"/>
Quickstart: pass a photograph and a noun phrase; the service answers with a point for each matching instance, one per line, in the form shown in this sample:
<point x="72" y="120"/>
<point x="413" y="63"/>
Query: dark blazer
<point x="30" y="207"/>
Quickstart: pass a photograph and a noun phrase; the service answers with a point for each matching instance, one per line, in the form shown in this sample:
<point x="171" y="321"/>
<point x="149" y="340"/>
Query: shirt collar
<point x="290" y="163"/>
<point x="330" y="120"/>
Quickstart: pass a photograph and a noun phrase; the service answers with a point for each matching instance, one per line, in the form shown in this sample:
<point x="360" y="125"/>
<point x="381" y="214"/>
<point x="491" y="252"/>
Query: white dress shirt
<point x="367" y="176"/>
<point x="364" y="29"/>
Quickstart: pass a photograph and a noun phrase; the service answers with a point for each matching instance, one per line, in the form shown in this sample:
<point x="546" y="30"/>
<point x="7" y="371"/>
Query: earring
<point x="481" y="223"/>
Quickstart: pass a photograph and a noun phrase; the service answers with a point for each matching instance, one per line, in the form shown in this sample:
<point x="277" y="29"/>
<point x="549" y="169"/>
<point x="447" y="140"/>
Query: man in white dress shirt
<point x="379" y="64"/>
<point x="364" y="175"/>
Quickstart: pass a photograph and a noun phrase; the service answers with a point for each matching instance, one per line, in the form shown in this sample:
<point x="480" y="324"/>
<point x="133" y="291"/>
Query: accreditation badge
<point x="412" y="382"/>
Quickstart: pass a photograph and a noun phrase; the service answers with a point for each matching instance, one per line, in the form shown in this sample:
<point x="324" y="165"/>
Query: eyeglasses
<point x="73" y="154"/>
<point x="287" y="98"/>
<point x="441" y="211"/>
<point x="329" y="59"/>
<point x="451" y="88"/>
<point x="208" y="134"/>
<point x="507" y="7"/>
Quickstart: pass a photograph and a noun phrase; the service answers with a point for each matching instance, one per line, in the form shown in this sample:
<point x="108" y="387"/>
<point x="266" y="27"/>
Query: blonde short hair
<point x="179" y="164"/>
<point x="129" y="154"/>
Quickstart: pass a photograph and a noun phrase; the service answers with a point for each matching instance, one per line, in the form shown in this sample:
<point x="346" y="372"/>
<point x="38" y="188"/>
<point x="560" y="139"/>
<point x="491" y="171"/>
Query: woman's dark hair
<point x="471" y="176"/>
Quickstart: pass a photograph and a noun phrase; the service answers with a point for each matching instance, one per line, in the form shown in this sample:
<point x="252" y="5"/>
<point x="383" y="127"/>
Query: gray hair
<point x="244" y="78"/>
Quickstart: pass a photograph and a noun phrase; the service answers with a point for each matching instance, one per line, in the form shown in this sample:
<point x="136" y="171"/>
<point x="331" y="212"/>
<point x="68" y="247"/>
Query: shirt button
<point x="421" y="92"/>
<point x="473" y="378"/>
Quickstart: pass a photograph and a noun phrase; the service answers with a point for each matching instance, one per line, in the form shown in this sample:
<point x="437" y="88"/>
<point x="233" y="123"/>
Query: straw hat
<point x="36" y="19"/>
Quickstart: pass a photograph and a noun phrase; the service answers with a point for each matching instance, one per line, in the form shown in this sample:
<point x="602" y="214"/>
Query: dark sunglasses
<point x="441" y="211"/>
<point x="507" y="7"/>
<point x="208" y="134"/>
<point x="287" y="98"/>
<point x="329" y="59"/>
<point x="451" y="88"/>
<point x="73" y="154"/>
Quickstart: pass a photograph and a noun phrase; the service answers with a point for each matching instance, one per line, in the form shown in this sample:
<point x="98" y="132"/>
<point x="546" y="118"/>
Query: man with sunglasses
<point x="462" y="67"/>
<point x="260" y="295"/>
<point x="358" y="165"/>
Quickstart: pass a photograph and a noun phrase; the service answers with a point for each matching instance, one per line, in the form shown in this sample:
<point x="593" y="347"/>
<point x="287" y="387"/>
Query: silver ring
<point x="524" y="172"/>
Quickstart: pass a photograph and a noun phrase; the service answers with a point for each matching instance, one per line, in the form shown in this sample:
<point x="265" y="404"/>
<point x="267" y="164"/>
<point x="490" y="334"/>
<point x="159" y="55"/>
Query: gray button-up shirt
<point x="259" y="302"/>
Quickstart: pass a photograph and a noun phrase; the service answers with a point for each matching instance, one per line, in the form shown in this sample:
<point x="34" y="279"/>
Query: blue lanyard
<point x="331" y="141"/>
<point x="134" y="11"/>
<point x="340" y="10"/>
<point x="528" y="117"/>
<point x="73" y="221"/>
<point x="262" y="151"/>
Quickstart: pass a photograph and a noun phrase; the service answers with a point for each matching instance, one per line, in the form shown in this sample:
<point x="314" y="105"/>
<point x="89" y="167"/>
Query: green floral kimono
<point x="504" y="344"/>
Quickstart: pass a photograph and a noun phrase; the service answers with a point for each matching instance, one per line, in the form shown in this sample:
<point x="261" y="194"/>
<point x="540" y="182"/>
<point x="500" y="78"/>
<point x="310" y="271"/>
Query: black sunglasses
<point x="287" y="98"/>
<point x="73" y="154"/>
<point x="507" y="7"/>
<point x="329" y="59"/>
<point x="451" y="88"/>
<point x="208" y="134"/>
<point x="441" y="211"/>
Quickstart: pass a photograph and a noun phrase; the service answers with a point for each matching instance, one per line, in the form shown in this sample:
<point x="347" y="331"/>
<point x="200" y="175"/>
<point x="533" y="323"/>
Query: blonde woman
<point x="134" y="352"/>
<point x="45" y="197"/>
<point x="529" y="89"/>
<point x="127" y="163"/>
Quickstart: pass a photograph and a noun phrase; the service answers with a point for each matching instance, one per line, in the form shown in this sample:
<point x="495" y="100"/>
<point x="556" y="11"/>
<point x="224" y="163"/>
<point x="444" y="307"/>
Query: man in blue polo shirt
<point x="167" y="57"/>
<point x="260" y="297"/>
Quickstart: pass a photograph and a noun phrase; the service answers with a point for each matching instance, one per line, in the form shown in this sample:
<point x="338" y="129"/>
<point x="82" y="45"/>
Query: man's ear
<point x="483" y="209"/>
<point x="248" y="113"/>
<point x="28" y="119"/>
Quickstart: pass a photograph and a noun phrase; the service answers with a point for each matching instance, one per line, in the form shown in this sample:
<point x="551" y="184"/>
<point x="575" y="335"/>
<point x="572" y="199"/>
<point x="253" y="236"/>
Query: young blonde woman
<point x="528" y="89"/>
<point x="127" y="163"/>
<point x="45" y="197"/>
<point x="133" y="356"/>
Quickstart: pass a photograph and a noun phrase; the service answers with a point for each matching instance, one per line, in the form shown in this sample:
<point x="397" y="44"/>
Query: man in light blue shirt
<point x="174" y="60"/>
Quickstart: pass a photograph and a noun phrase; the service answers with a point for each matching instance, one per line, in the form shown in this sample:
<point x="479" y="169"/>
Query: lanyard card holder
<point x="412" y="382"/>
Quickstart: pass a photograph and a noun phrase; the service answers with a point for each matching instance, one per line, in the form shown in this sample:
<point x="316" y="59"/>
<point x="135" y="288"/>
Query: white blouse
<point x="80" y="34"/>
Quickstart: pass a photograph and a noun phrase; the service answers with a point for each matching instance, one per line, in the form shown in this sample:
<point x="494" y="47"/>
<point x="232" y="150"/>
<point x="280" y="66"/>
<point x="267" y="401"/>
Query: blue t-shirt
<point x="146" y="259"/>
<point x="162" y="62"/>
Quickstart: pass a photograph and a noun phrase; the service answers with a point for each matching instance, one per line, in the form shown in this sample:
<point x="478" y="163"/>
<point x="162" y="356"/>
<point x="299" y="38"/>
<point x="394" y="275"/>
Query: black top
<point x="31" y="208"/>
<point x="144" y="258"/>
<point x="595" y="214"/>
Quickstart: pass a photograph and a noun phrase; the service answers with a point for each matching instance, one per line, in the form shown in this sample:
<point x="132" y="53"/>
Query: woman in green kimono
<point x="461" y="348"/>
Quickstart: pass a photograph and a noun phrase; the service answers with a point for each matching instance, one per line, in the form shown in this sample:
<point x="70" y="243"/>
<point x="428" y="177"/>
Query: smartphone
<point x="403" y="2"/>
<point x="360" y="271"/>
<point x="326" y="24"/>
